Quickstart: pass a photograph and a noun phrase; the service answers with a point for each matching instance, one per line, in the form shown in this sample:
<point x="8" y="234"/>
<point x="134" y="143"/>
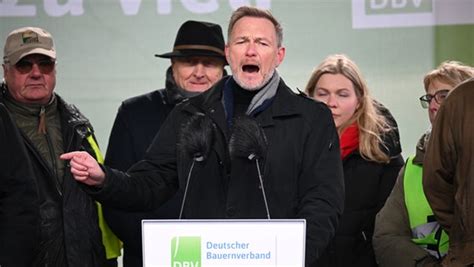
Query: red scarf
<point x="349" y="140"/>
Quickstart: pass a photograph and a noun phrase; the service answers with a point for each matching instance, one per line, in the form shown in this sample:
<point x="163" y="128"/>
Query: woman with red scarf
<point x="370" y="151"/>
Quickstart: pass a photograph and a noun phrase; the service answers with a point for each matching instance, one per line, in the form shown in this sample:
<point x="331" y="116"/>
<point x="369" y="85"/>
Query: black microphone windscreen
<point x="248" y="139"/>
<point x="196" y="137"/>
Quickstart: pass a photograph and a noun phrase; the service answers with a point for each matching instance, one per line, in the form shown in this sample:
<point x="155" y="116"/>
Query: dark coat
<point x="302" y="172"/>
<point x="18" y="198"/>
<point x="367" y="184"/>
<point x="66" y="214"/>
<point x="136" y="124"/>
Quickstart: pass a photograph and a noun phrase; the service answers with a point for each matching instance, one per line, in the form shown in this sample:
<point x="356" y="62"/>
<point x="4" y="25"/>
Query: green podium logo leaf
<point x="186" y="251"/>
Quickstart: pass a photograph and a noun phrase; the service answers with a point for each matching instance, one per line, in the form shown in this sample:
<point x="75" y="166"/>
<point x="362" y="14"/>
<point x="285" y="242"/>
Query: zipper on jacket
<point x="42" y="128"/>
<point x="33" y="149"/>
<point x="54" y="162"/>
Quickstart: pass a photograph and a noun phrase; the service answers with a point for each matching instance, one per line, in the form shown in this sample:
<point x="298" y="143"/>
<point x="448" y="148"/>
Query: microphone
<point x="195" y="141"/>
<point x="248" y="140"/>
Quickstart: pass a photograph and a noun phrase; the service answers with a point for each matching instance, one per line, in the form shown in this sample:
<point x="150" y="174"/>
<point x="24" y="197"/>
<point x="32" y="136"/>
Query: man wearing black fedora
<point x="197" y="63"/>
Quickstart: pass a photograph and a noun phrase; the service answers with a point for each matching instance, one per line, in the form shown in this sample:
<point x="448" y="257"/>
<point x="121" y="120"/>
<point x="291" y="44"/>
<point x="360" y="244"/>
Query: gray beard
<point x="258" y="87"/>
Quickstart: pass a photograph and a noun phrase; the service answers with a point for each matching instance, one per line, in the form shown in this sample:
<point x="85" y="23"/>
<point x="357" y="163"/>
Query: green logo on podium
<point x="186" y="251"/>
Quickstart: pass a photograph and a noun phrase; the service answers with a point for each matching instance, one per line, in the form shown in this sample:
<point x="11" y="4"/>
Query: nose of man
<point x="199" y="70"/>
<point x="250" y="49"/>
<point x="35" y="71"/>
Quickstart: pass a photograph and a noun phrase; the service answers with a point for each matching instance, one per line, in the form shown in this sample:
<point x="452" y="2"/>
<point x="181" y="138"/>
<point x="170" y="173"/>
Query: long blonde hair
<point x="372" y="124"/>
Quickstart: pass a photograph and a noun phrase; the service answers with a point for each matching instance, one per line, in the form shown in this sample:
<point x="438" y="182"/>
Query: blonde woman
<point x="370" y="150"/>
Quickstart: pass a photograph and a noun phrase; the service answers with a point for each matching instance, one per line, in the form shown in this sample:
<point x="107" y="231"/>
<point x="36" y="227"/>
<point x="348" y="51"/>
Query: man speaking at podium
<point x="249" y="148"/>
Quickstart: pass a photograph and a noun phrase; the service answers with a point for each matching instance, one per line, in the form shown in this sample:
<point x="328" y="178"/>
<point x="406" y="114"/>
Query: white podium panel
<point x="232" y="243"/>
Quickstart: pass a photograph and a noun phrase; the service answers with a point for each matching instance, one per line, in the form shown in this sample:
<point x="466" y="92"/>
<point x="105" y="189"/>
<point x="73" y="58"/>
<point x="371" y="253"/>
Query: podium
<point x="232" y="243"/>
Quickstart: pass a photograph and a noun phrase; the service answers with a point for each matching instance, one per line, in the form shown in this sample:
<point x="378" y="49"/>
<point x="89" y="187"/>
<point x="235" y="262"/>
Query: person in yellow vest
<point x="65" y="226"/>
<point x="406" y="231"/>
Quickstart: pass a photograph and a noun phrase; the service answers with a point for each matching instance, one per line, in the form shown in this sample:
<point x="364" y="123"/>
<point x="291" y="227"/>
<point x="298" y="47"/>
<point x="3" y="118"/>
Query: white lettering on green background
<point x="11" y="8"/>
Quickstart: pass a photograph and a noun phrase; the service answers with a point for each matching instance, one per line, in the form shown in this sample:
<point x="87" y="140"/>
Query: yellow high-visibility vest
<point x="112" y="244"/>
<point x="426" y="231"/>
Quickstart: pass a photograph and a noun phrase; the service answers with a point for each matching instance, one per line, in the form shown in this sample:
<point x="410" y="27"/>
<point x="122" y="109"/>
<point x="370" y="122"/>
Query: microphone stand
<point x="251" y="157"/>
<point x="197" y="158"/>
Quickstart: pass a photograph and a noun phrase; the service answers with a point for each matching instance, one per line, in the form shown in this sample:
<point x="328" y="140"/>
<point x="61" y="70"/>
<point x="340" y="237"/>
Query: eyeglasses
<point x="45" y="66"/>
<point x="439" y="97"/>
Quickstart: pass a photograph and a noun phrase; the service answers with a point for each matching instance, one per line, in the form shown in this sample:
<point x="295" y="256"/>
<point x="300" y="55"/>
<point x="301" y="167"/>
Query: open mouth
<point x="250" y="68"/>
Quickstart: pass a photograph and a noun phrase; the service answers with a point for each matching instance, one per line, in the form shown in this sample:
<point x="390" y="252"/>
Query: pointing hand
<point x="85" y="168"/>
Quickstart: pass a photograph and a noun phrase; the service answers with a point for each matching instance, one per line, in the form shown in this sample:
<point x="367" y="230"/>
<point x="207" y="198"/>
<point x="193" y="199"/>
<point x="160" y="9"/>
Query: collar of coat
<point x="173" y="94"/>
<point x="69" y="114"/>
<point x="210" y="103"/>
<point x="421" y="148"/>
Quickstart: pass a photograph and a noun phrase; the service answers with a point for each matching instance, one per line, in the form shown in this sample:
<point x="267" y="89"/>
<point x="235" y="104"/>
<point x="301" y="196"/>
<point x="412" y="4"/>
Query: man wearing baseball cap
<point x="63" y="228"/>
<point x="197" y="63"/>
